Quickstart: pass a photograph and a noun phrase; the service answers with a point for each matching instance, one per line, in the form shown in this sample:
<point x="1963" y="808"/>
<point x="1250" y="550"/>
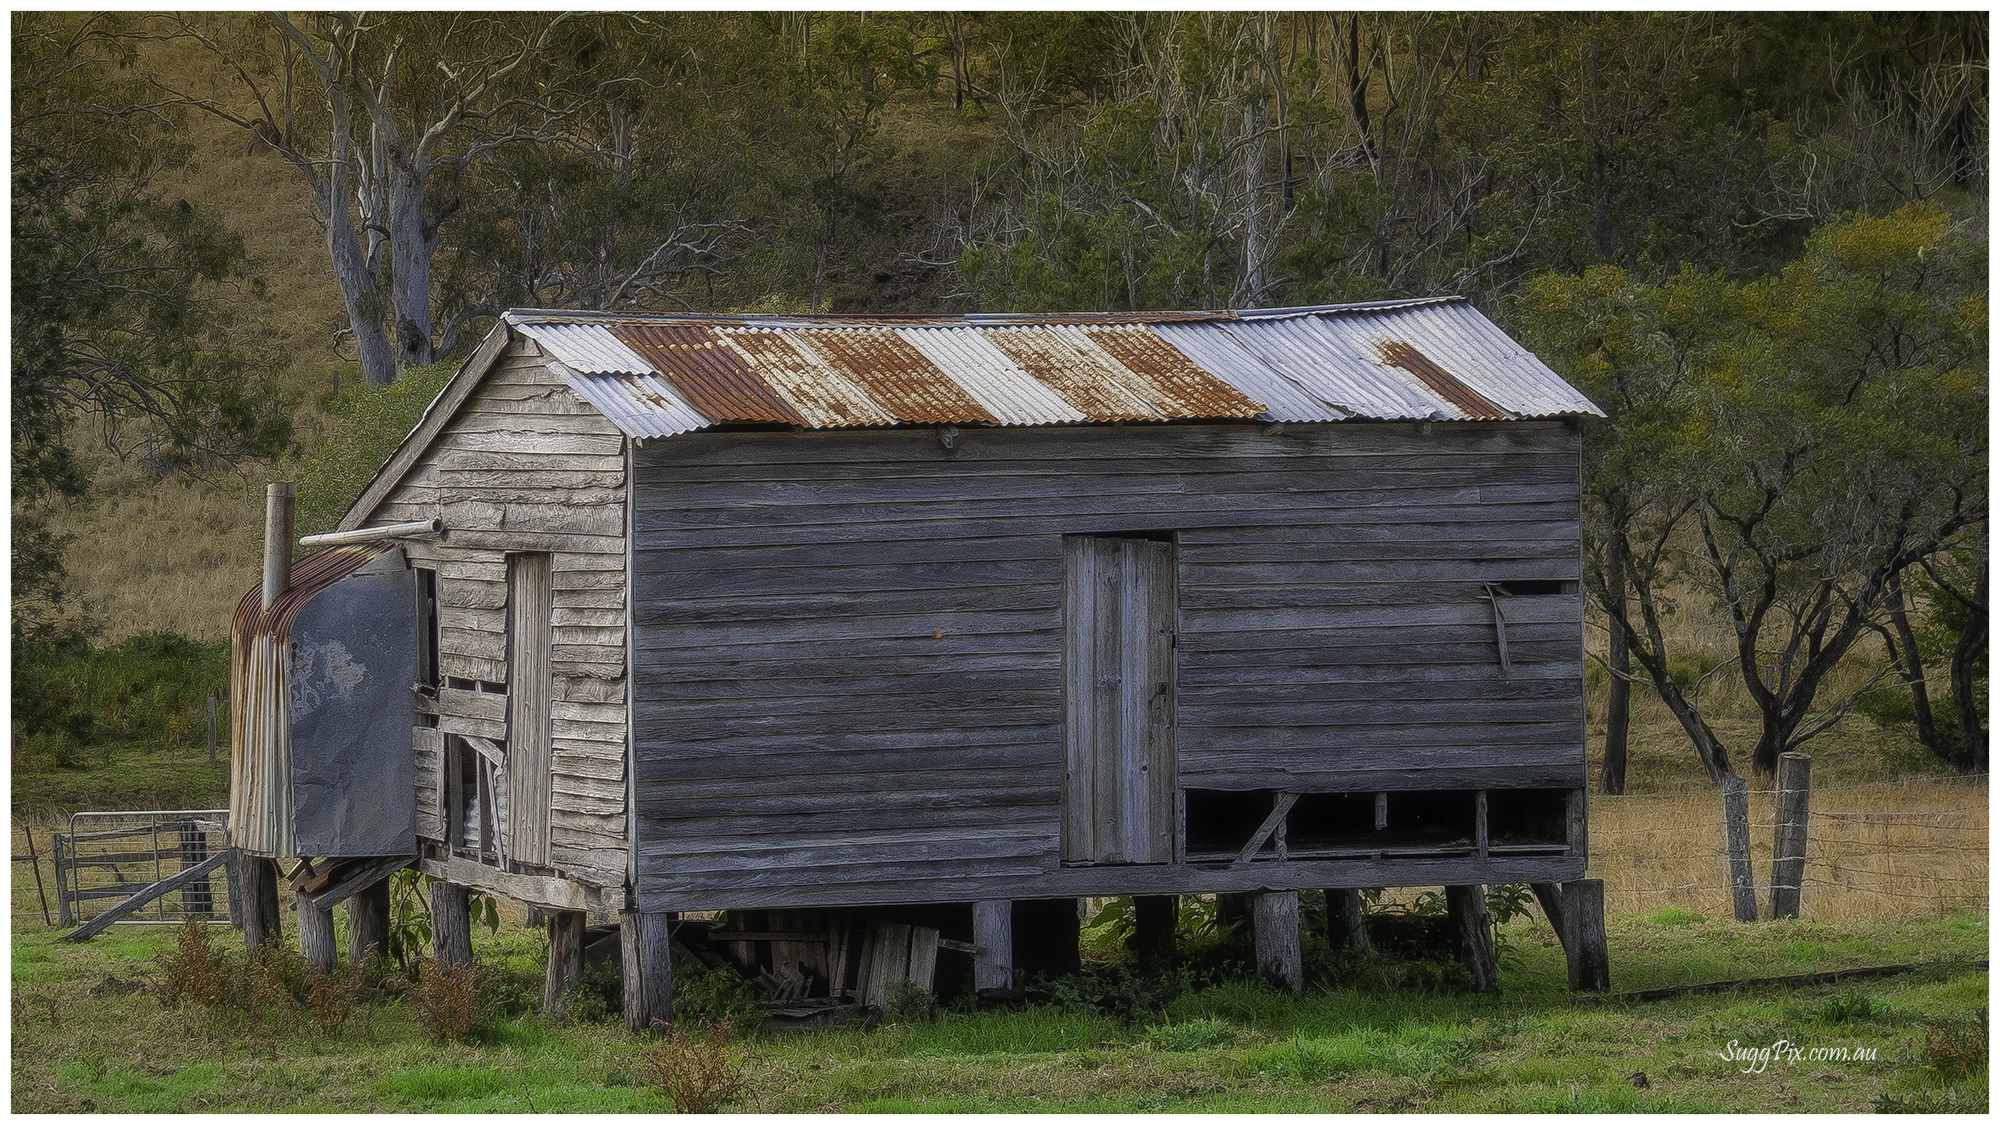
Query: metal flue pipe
<point x="279" y="501"/>
<point x="410" y="530"/>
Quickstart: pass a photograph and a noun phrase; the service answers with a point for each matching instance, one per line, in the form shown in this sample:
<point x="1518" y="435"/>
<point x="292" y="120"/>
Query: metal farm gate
<point x="107" y="857"/>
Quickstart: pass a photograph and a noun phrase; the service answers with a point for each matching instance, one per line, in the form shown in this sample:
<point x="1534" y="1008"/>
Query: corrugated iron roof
<point x="1426" y="359"/>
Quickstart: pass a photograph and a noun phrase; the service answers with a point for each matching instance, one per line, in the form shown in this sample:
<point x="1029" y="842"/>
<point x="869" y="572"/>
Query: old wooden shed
<point x="813" y="613"/>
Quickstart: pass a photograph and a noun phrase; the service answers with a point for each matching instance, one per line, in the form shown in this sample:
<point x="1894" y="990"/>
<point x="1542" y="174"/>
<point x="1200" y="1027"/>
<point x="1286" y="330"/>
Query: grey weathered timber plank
<point x="1417" y="619"/>
<point x="530" y="540"/>
<point x="1175" y="443"/>
<point x="775" y="679"/>
<point x="1299" y="709"/>
<point x="525" y="441"/>
<point x="859" y="605"/>
<point x="459" y="567"/>
<point x="850" y="774"/>
<point x="470" y="667"/>
<point x="357" y="881"/>
<point x="1259" y="690"/>
<point x="1168" y="508"/>
<point x="543" y="891"/>
<point x="472" y="704"/>
<point x="593" y="790"/>
<point x="1390" y="510"/>
<point x="1242" y="733"/>
<point x="1267" y="651"/>
<point x="478" y="417"/>
<point x="1312" y="666"/>
<point x="427" y="743"/>
<point x="980" y="745"/>
<point x="475" y="727"/>
<point x="610" y="638"/>
<point x="459" y="592"/>
<point x="842" y="845"/>
<point x="725" y="580"/>
<point x="910" y="548"/>
<point x="894" y="796"/>
<point x="449" y="458"/>
<point x="1112" y="881"/>
<point x="943" y="818"/>
<point x="475" y="643"/>
<point x="858" y="630"/>
<point x="917" y="677"/>
<point x="915" y="712"/>
<point x="1032" y="635"/>
<point x="458" y="618"/>
<point x="1549" y="775"/>
<point x="529" y="725"/>
<point x="1267" y="586"/>
<point x="590" y="617"/>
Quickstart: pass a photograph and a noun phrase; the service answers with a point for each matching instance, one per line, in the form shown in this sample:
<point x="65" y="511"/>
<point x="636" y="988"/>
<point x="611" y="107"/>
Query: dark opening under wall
<point x="1532" y="820"/>
<point x="1413" y="822"/>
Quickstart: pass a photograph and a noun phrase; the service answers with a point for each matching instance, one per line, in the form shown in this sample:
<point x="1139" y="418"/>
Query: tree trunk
<point x="359" y="292"/>
<point x="1913" y="674"/>
<point x="1970" y="647"/>
<point x="410" y="253"/>
<point x="1618" y="704"/>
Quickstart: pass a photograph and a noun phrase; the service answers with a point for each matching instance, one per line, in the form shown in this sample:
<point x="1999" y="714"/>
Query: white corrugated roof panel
<point x="644" y="406"/>
<point x="588" y="349"/>
<point x="1008" y="393"/>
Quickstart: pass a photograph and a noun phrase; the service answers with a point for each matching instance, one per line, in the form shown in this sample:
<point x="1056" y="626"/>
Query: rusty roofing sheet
<point x="713" y="377"/>
<point x="802" y="377"/>
<point x="901" y="379"/>
<point x="1434" y="358"/>
<point x="1084" y="375"/>
<point x="1163" y="377"/>
<point x="1009" y="394"/>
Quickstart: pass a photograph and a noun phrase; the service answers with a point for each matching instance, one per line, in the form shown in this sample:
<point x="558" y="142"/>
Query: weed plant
<point x="693" y="1069"/>
<point x="716" y="998"/>
<point x="454" y="1001"/>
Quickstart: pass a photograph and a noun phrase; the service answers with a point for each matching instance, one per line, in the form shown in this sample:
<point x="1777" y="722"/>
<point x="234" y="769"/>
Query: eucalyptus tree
<point x="384" y="114"/>
<point x="121" y="297"/>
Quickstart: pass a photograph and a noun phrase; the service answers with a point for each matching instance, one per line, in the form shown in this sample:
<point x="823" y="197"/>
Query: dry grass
<point x="1874" y="850"/>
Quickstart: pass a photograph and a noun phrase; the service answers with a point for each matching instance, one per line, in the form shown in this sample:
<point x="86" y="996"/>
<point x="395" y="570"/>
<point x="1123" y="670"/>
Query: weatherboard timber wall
<point x="526" y="466"/>
<point x="849" y="644"/>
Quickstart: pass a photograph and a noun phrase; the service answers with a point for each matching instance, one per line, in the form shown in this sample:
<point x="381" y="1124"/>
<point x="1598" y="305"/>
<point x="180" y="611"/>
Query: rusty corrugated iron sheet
<point x="1425" y="359"/>
<point x="713" y="377"/>
<point x="897" y="377"/>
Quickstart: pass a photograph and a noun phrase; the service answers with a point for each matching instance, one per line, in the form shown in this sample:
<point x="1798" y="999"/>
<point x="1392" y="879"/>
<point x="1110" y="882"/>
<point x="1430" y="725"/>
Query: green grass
<point x="1242" y="1048"/>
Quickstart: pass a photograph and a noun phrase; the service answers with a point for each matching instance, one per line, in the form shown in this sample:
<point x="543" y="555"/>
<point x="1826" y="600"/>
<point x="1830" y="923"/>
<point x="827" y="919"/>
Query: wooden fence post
<point x="1788" y="848"/>
<point x="1736" y="823"/>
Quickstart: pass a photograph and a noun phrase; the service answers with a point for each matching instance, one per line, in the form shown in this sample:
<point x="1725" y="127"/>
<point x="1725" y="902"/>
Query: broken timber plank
<point x="352" y="883"/>
<point x="1281" y="806"/>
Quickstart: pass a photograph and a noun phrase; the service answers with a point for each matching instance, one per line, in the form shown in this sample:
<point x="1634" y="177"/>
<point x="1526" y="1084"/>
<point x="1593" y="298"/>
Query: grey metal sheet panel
<point x="588" y="349"/>
<point x="1335" y="367"/>
<point x="643" y="406"/>
<point x="1218" y="351"/>
<point x="1484" y="358"/>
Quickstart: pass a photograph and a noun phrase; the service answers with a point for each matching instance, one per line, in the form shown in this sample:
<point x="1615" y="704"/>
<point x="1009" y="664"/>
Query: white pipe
<point x="370" y="534"/>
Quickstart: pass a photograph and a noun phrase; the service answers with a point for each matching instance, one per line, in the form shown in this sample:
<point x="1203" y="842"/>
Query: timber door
<point x="1118" y="672"/>
<point x="530" y="732"/>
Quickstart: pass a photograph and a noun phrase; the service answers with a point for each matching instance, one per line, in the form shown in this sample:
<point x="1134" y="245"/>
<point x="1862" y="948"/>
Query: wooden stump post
<point x="316" y="940"/>
<point x="261" y="914"/>
<point x="1788" y="848"/>
<point x="368" y="924"/>
<point x="645" y="947"/>
<point x="451" y="924"/>
<point x="993" y="942"/>
<point x="1346" y="921"/>
<point x="1275" y="917"/>
<point x="1736" y="823"/>
<point x="1473" y="928"/>
<point x="1583" y="935"/>
<point x="1153" y="930"/>
<point x="565" y="958"/>
<point x="1046" y="932"/>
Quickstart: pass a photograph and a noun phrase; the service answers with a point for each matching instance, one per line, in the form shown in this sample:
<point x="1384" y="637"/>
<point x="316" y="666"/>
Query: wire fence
<point x="1919" y="844"/>
<point x="70" y="872"/>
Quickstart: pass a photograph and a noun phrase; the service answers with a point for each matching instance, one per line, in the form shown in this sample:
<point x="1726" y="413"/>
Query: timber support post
<point x="262" y="913"/>
<point x="1583" y="937"/>
<point x="645" y="947"/>
<point x="451" y="924"/>
<point x="1472" y="928"/>
<point x="1346" y="921"/>
<point x="368" y="924"/>
<point x="1275" y="918"/>
<point x="1736" y="824"/>
<point x="993" y="942"/>
<point x="565" y="958"/>
<point x="1153" y="930"/>
<point x="316" y="941"/>
<point x="1788" y="848"/>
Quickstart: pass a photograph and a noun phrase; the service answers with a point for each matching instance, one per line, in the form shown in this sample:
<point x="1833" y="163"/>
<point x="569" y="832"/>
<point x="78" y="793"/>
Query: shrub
<point x="192" y="971"/>
<point x="692" y="1068"/>
<point x="1955" y="1048"/>
<point x="719" y="998"/>
<point x="452" y="1000"/>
